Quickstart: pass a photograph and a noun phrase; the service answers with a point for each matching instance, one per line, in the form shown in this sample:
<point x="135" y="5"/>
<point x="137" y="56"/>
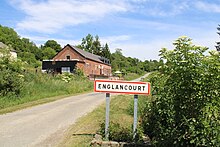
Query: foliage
<point x="21" y="45"/>
<point x="48" y="53"/>
<point x="116" y="132"/>
<point x="40" y="86"/>
<point x="52" y="44"/>
<point x="66" y="77"/>
<point x="106" y="52"/>
<point x="186" y="108"/>
<point x="131" y="76"/>
<point x="93" y="45"/>
<point x="132" y="65"/>
<point x="11" y="78"/>
<point x="79" y="72"/>
<point x="28" y="57"/>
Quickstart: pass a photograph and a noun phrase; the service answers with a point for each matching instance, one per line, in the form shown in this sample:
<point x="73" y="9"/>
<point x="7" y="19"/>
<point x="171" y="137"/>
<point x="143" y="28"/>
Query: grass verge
<point x="81" y="133"/>
<point x="132" y="76"/>
<point x="42" y="88"/>
<point x="35" y="102"/>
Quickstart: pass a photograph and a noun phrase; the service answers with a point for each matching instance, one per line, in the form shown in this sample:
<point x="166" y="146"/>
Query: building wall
<point x="89" y="67"/>
<point x="13" y="54"/>
<point x="68" y="51"/>
<point x="96" y="68"/>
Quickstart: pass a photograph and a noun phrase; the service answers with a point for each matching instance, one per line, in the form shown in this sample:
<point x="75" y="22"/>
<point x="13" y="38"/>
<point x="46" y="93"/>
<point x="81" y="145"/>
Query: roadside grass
<point x="42" y="88"/>
<point x="81" y="133"/>
<point x="20" y="105"/>
<point x="132" y="76"/>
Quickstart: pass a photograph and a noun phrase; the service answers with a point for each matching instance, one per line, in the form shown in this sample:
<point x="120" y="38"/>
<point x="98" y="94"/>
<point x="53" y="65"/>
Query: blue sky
<point x="139" y="27"/>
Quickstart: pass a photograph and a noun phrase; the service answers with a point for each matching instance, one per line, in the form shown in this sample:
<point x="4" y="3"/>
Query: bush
<point x="11" y="78"/>
<point x="116" y="132"/>
<point x="121" y="134"/>
<point x="11" y="83"/>
<point x="79" y="72"/>
<point x="186" y="108"/>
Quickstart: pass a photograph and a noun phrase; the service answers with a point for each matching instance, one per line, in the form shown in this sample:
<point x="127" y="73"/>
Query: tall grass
<point x="39" y="86"/>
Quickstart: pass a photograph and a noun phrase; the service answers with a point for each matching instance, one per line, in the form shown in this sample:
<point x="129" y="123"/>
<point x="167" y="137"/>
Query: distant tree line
<point x="30" y="53"/>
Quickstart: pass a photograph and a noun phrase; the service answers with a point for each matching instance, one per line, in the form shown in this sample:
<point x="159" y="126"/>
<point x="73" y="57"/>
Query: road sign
<point x="125" y="87"/>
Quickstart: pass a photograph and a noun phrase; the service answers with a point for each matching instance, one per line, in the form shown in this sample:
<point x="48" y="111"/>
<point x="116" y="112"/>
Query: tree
<point x="87" y="43"/>
<point x="218" y="43"/>
<point x="186" y="90"/>
<point x="48" y="53"/>
<point x="28" y="57"/>
<point x="90" y="45"/>
<point x="21" y="45"/>
<point x="106" y="52"/>
<point x="53" y="45"/>
<point x="96" y="47"/>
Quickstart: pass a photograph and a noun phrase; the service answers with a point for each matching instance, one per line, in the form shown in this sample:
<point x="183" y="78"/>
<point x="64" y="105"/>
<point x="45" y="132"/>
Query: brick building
<point x="70" y="58"/>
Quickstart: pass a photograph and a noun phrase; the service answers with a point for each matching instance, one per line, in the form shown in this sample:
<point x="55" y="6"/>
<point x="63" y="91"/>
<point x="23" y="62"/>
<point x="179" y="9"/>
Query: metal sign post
<point x="123" y="87"/>
<point x="107" y="116"/>
<point x="135" y="115"/>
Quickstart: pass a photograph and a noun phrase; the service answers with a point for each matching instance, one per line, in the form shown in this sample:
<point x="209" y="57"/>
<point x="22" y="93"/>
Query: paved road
<point x="32" y="126"/>
<point x="45" y="124"/>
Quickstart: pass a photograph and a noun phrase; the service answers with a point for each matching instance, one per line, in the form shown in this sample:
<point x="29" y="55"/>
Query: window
<point x="68" y="57"/>
<point x="87" y="64"/>
<point x="65" y="69"/>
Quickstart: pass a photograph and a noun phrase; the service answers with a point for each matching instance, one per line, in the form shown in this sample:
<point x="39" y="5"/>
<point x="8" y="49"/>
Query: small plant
<point x="79" y="72"/>
<point x="116" y="132"/>
<point x="66" y="77"/>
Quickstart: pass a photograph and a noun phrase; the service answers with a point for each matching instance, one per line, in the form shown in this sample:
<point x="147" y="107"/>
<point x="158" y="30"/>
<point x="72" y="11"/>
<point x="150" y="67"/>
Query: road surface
<point x="45" y="124"/>
<point x="32" y="126"/>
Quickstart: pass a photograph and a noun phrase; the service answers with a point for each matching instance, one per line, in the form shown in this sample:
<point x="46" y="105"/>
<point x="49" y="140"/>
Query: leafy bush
<point x="66" y="77"/>
<point x="186" y="108"/>
<point x="121" y="134"/>
<point x="11" y="78"/>
<point x="11" y="83"/>
<point x="116" y="132"/>
<point x="79" y="72"/>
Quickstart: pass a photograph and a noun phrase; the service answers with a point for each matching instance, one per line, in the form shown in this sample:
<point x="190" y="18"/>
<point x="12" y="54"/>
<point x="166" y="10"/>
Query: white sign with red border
<point x="126" y="87"/>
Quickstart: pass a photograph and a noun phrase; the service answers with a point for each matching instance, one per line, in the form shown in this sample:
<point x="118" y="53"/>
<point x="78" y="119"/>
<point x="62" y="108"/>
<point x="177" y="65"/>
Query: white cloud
<point x="53" y="15"/>
<point x="39" y="40"/>
<point x="208" y="7"/>
<point x="114" y="39"/>
<point x="161" y="8"/>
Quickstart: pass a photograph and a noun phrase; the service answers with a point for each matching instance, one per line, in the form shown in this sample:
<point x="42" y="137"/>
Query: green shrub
<point x="11" y="78"/>
<point x="79" y="72"/>
<point x="121" y="134"/>
<point x="186" y="108"/>
<point x="116" y="132"/>
<point x="11" y="83"/>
